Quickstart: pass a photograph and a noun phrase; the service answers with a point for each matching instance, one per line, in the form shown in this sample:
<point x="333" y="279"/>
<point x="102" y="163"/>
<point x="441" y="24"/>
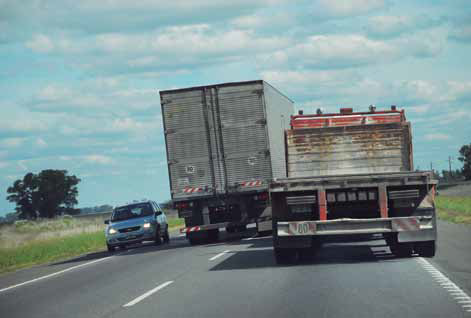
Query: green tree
<point x="465" y="158"/>
<point x="47" y="194"/>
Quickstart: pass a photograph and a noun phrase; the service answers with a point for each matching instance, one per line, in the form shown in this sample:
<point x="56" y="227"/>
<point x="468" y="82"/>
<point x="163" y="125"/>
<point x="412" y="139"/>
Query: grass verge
<point x="40" y="251"/>
<point x="454" y="209"/>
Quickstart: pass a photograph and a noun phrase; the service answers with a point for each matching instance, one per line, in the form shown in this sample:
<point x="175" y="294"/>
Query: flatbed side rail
<point x="361" y="180"/>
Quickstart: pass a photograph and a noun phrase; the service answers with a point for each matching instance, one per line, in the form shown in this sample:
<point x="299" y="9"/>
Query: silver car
<point x="134" y="223"/>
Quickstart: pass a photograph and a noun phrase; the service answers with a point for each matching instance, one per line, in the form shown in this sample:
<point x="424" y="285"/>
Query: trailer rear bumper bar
<point x="207" y="227"/>
<point x="401" y="225"/>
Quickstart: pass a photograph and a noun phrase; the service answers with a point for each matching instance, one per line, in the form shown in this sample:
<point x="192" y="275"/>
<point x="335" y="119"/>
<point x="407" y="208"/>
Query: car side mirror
<point x="158" y="213"/>
<point x="107" y="221"/>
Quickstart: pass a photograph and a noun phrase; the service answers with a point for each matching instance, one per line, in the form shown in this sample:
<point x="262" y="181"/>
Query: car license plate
<point x="302" y="228"/>
<point x="131" y="237"/>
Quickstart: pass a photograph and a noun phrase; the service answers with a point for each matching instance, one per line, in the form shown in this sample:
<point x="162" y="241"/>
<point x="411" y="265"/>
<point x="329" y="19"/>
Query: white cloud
<point x="40" y="43"/>
<point x="388" y="25"/>
<point x="41" y="143"/>
<point x="12" y="142"/>
<point x="99" y="159"/>
<point x="347" y="50"/>
<point x="420" y="109"/>
<point x="262" y="21"/>
<point x="394" y="25"/>
<point x="461" y="33"/>
<point x="345" y="8"/>
<point x="437" y="136"/>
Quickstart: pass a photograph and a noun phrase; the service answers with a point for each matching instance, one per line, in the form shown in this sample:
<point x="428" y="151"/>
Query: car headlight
<point x="146" y="225"/>
<point x="112" y="231"/>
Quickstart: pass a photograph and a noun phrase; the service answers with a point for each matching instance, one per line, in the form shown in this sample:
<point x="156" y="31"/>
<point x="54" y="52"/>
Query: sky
<point x="79" y="80"/>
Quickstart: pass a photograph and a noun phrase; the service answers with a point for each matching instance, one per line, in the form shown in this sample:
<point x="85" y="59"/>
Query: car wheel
<point x="110" y="248"/>
<point x="158" y="237"/>
<point x="166" y="236"/>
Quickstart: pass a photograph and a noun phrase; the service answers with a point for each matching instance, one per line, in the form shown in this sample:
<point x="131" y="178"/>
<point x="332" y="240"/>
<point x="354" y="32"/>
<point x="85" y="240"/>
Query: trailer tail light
<point x="184" y="205"/>
<point x="261" y="197"/>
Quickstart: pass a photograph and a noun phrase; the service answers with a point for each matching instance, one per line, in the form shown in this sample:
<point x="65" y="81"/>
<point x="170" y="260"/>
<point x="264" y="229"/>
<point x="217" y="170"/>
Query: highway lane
<point x="233" y="278"/>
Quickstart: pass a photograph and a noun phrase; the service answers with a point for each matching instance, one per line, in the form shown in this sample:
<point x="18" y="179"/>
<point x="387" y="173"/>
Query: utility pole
<point x="449" y="166"/>
<point x="431" y="166"/>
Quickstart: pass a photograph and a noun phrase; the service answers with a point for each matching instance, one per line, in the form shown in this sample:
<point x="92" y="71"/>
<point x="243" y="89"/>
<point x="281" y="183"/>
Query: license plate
<point x="131" y="237"/>
<point x="302" y="228"/>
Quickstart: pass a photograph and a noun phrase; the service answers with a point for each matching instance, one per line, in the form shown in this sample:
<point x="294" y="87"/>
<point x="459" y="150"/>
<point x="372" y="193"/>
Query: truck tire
<point x="425" y="249"/>
<point x="110" y="248"/>
<point x="285" y="256"/>
<point x="401" y="249"/>
<point x="213" y="235"/>
<point x="193" y="239"/>
<point x="242" y="228"/>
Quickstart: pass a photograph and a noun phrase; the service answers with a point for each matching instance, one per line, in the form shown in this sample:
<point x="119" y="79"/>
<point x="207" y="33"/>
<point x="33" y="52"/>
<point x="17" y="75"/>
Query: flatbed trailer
<point x="324" y="197"/>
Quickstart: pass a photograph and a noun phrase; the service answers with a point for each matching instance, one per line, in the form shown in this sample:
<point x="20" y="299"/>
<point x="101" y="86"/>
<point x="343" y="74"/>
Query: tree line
<point x="44" y="195"/>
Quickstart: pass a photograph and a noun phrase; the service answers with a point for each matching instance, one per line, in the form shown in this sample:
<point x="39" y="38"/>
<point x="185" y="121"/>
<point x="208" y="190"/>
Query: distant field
<point x="454" y="208"/>
<point x="29" y="243"/>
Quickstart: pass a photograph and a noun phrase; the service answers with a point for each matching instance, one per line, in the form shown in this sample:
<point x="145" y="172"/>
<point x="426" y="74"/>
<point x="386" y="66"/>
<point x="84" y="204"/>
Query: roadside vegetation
<point x="28" y="243"/>
<point x="454" y="209"/>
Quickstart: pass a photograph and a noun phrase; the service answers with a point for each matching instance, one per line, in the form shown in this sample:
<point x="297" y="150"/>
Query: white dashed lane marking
<point x="147" y="294"/>
<point x="455" y="292"/>
<point x="219" y="255"/>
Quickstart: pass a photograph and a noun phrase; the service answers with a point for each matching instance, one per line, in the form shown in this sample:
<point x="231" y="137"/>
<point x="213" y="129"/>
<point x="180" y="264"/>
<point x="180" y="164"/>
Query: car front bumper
<point x="130" y="237"/>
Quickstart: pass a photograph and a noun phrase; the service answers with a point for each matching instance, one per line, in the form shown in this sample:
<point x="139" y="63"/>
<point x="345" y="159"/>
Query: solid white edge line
<point x="147" y="294"/>
<point x="219" y="255"/>
<point x="54" y="274"/>
<point x="463" y="300"/>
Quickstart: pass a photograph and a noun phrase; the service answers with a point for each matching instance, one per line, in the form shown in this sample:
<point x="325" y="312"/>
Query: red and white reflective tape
<point x="190" y="229"/>
<point x="248" y="184"/>
<point x="405" y="224"/>
<point x="192" y="190"/>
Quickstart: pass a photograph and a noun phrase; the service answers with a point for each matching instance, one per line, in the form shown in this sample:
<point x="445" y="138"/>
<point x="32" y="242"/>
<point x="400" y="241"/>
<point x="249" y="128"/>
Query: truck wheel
<point x="230" y="229"/>
<point x="213" y="235"/>
<point x="110" y="248"/>
<point x="285" y="256"/>
<point x="192" y="238"/>
<point x="402" y="249"/>
<point x="242" y="228"/>
<point x="425" y="249"/>
<point x="158" y="237"/>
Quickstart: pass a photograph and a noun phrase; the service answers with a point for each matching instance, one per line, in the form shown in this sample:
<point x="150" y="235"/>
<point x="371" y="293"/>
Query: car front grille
<point x="129" y="229"/>
<point x="130" y="237"/>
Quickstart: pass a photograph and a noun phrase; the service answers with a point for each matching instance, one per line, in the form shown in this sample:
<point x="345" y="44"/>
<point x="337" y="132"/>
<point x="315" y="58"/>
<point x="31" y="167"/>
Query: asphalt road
<point x="239" y="278"/>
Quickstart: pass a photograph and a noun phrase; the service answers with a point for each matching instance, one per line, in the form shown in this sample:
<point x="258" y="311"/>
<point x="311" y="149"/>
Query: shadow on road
<point x="328" y="254"/>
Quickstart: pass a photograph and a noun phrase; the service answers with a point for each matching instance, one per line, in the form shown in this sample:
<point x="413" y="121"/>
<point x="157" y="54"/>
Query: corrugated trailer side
<point x="224" y="145"/>
<point x="243" y="136"/>
<point x="279" y="109"/>
<point x="188" y="143"/>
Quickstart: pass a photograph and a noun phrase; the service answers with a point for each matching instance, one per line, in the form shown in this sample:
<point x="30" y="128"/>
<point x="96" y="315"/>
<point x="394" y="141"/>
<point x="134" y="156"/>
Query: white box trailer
<point x="224" y="145"/>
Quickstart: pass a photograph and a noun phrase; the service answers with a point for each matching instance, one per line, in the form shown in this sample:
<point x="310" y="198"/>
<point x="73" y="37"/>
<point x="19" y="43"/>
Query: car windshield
<point x="132" y="211"/>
